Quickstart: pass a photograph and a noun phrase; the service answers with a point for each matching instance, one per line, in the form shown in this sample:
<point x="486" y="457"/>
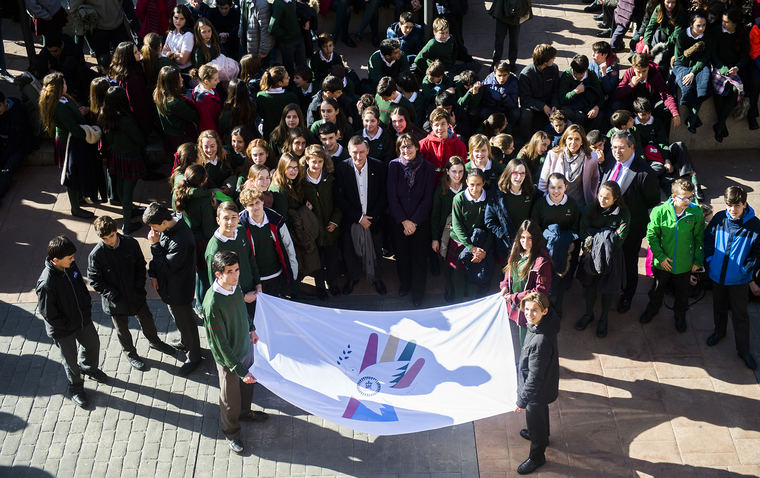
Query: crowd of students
<point x="280" y="153"/>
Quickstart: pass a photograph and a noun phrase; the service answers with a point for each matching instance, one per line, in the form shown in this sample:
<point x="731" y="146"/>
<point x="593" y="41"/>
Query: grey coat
<point x="254" y="27"/>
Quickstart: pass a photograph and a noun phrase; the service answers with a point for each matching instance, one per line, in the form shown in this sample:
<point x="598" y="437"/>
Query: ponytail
<point x="195" y="177"/>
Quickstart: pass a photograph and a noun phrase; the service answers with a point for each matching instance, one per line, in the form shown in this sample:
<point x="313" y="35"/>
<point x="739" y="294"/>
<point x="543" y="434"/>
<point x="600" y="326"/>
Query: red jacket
<point x="437" y="151"/>
<point x="209" y="107"/>
<point x="539" y="280"/>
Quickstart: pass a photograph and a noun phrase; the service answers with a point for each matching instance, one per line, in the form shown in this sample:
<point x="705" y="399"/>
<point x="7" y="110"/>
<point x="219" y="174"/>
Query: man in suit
<point x="360" y="194"/>
<point x="641" y="193"/>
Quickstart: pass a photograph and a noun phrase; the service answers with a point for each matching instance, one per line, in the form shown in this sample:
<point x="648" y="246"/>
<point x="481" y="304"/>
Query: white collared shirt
<point x="372" y="138"/>
<point x="412" y="97"/>
<point x="63" y="100"/>
<point x="338" y="152"/>
<point x="307" y="90"/>
<point x="362" y="185"/>
<point x="551" y="203"/>
<point x="625" y="166"/>
<point x="276" y="91"/>
<point x="258" y="224"/>
<point x="688" y="33"/>
<point x="382" y="57"/>
<point x="322" y="56"/>
<point x="218" y="234"/>
<point x="312" y="180"/>
<point x="649" y="121"/>
<point x="457" y="189"/>
<point x="470" y="198"/>
<point x="214" y="162"/>
<point x="221" y="290"/>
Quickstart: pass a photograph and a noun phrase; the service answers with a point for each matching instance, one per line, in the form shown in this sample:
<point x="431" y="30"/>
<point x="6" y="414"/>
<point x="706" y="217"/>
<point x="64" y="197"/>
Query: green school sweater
<point x="283" y="24"/>
<point x="442" y="204"/>
<point x="67" y="120"/>
<point x="698" y="60"/>
<point x="492" y="174"/>
<point x="249" y="271"/>
<point x="653" y="134"/>
<point x="435" y="50"/>
<point x="618" y="218"/>
<point x="566" y="215"/>
<point x="382" y="148"/>
<point x="466" y="215"/>
<point x="179" y="112"/>
<point x="127" y="138"/>
<point x="217" y="173"/>
<point x="386" y="107"/>
<point x="518" y="207"/>
<point x="227" y="328"/>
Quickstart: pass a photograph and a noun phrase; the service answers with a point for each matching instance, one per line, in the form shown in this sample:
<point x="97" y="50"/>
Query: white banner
<point x="387" y="373"/>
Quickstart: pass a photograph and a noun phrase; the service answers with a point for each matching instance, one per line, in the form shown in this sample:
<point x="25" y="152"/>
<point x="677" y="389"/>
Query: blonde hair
<point x="478" y="141"/>
<point x="52" y="91"/>
<point x="318" y="151"/>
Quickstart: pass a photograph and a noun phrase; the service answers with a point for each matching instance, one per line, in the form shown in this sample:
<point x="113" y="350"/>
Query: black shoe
<point x="96" y="374"/>
<point x="524" y="433"/>
<point x="749" y="361"/>
<point x="646" y="316"/>
<point x="583" y="322"/>
<point x="403" y="292"/>
<point x="599" y="17"/>
<point x="236" y="446"/>
<point x="131" y="227"/>
<point x="163" y="347"/>
<point x="714" y="339"/>
<point x="530" y="465"/>
<point x="349" y="41"/>
<point x="321" y="294"/>
<point x="606" y="33"/>
<point x="137" y="211"/>
<point x="81" y="213"/>
<point x="602" y="25"/>
<point x="178" y="345"/>
<point x="593" y="7"/>
<point x="334" y="290"/>
<point x="698" y="122"/>
<point x="624" y="305"/>
<point x="188" y="367"/>
<point x="601" y="328"/>
<point x="752" y="123"/>
<point x="718" y="133"/>
<point x="380" y="287"/>
<point x="349" y="287"/>
<point x="254" y="416"/>
<point x="136" y="362"/>
<point x="80" y="398"/>
<point x="681" y="325"/>
<point x="387" y="253"/>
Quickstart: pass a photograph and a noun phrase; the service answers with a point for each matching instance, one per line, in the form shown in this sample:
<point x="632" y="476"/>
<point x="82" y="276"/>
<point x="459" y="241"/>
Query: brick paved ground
<point x="646" y="401"/>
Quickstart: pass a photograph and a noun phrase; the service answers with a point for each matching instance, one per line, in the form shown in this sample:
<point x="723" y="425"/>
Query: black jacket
<point x="313" y="114"/>
<point x="63" y="300"/>
<point x="173" y="264"/>
<point x="538" y="87"/>
<point x="641" y="193"/>
<point x="538" y="368"/>
<point x="118" y="275"/>
<point x="347" y="192"/>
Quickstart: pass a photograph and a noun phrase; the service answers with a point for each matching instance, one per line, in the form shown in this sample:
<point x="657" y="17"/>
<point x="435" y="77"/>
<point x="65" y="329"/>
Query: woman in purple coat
<point x="411" y="181"/>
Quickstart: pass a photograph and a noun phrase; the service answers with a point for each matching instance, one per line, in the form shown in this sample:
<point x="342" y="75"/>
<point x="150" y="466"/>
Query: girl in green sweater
<point x="214" y="160"/>
<point x="125" y="142"/>
<point x="440" y="220"/>
<point x="470" y="257"/>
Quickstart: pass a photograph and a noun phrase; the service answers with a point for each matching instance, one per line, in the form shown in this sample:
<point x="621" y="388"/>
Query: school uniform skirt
<point x="80" y="164"/>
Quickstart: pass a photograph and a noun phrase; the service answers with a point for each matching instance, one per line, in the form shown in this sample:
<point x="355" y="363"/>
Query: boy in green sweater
<point x="675" y="234"/>
<point x="441" y="47"/>
<point x="231" y="338"/>
<point x="284" y="27"/>
<point x="230" y="237"/>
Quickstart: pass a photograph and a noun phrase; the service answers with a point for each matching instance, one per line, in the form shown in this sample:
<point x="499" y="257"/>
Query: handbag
<point x="227" y="67"/>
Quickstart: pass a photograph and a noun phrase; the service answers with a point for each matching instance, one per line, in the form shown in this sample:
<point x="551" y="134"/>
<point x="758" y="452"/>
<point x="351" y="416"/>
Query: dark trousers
<point x="735" y="298"/>
<point x="680" y="291"/>
<point x="537" y="421"/>
<point x="354" y="262"/>
<point x="147" y="324"/>
<point x="411" y="258"/>
<point x="328" y="273"/>
<point x="106" y="41"/>
<point x="234" y="397"/>
<point x="631" y="248"/>
<point x="530" y="122"/>
<point x="682" y="166"/>
<point x="752" y="84"/>
<point x="293" y="56"/>
<point x="80" y="351"/>
<point x="188" y="331"/>
<point x="11" y="162"/>
<point x="502" y="29"/>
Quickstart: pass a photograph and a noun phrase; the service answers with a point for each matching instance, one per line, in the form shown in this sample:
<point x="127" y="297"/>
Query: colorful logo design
<point x="386" y="373"/>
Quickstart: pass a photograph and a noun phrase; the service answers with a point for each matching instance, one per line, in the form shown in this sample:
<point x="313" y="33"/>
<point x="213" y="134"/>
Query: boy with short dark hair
<point x="675" y="234"/>
<point x="732" y="255"/>
<point x="558" y="123"/>
<point x="605" y="64"/>
<point x="502" y="92"/>
<point x="66" y="307"/>
<point x="387" y="61"/>
<point x="411" y="35"/>
<point x="332" y="87"/>
<point x="324" y="58"/>
<point x="388" y="97"/>
<point x="409" y="86"/>
<point x="303" y="80"/>
<point x="469" y="91"/>
<point x="116" y="270"/>
<point x="329" y="136"/>
<point x="580" y="93"/>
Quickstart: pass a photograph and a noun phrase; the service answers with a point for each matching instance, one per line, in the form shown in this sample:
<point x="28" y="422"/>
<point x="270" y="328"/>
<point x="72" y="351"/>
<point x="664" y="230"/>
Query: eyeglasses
<point x="685" y="198"/>
<point x="292" y="168"/>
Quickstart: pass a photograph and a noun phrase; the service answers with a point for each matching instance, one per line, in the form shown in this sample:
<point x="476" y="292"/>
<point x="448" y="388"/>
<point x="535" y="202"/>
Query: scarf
<point x="410" y="170"/>
<point x="569" y="161"/>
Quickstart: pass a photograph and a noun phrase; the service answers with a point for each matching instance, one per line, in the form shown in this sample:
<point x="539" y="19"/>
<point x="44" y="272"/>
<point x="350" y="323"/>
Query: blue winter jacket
<point x="732" y="247"/>
<point x="498" y="97"/>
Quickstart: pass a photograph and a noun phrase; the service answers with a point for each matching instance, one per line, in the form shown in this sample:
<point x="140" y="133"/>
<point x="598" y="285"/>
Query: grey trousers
<point x="234" y="397"/>
<point x="79" y="351"/>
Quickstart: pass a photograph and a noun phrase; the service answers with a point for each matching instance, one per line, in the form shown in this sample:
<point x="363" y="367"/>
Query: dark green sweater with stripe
<point x="227" y="328"/>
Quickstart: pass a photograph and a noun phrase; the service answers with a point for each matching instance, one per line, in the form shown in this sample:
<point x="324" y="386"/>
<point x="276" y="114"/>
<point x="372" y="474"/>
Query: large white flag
<point x="388" y="373"/>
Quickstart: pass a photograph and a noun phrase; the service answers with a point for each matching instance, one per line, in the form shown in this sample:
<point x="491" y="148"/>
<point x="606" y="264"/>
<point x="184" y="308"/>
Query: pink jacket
<point x="553" y="164"/>
<point x="539" y="280"/>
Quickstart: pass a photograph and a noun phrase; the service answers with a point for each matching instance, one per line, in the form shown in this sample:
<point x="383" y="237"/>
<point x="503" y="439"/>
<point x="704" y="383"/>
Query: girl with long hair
<point x="330" y="112"/>
<point x="207" y="44"/>
<point x="260" y="179"/>
<point x="238" y="109"/>
<point x="379" y="140"/>
<point x="214" y="160"/>
<point x="206" y="99"/>
<point x="98" y="89"/>
<point x="573" y="158"/>
<point x="296" y="142"/>
<point x="317" y="186"/>
<point x="250" y="74"/>
<point x="691" y="67"/>
<point x="291" y="118"/>
<point x="510" y="205"/>
<point x="125" y="142"/>
<point x="479" y="156"/>
<point x="729" y="56"/>
<point x="126" y="69"/>
<point x="197" y="205"/>
<point x="402" y="123"/>
<point x="607" y="213"/>
<point x="534" y="152"/>
<point x="273" y="97"/>
<point x="452" y="182"/>
<point x="236" y="155"/>
<point x="180" y="40"/>
<point x="186" y="154"/>
<point x="259" y="152"/>
<point x="287" y="180"/>
<point x="64" y="119"/>
<point x="528" y="269"/>
<point x="152" y="60"/>
<point x="176" y="112"/>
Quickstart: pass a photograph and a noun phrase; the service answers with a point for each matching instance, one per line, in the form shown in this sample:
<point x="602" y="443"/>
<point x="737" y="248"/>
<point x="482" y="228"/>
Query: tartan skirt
<point x="126" y="166"/>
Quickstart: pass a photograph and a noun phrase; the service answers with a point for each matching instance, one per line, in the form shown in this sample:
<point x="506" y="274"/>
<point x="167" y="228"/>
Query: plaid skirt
<point x="126" y="166"/>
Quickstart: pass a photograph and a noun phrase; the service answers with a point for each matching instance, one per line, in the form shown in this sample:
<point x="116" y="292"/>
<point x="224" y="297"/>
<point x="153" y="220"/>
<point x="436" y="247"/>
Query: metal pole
<point x="26" y="31"/>
<point x="428" y="15"/>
